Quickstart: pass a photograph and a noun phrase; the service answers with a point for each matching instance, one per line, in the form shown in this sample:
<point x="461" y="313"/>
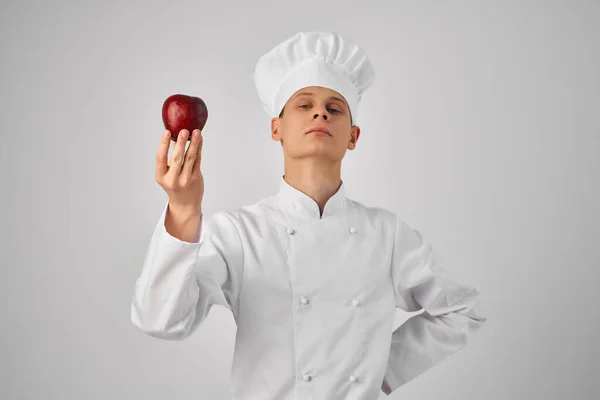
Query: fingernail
<point x="166" y="134"/>
<point x="197" y="134"/>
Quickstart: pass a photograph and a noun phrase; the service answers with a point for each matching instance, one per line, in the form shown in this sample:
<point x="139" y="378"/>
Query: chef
<point x="312" y="277"/>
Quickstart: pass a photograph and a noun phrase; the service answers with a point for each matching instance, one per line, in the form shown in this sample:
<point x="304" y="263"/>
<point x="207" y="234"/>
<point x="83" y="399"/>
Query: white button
<point x="352" y="230"/>
<point x="306" y="377"/>
<point x="304" y="300"/>
<point x="355" y="302"/>
<point x="290" y="231"/>
<point x="352" y="378"/>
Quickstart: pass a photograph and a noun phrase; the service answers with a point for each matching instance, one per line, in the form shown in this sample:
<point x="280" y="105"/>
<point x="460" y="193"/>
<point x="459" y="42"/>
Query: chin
<point x="317" y="154"/>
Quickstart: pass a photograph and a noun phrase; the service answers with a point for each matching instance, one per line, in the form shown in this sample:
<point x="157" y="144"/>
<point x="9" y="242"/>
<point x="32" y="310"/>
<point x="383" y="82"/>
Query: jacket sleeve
<point x="180" y="281"/>
<point x="451" y="309"/>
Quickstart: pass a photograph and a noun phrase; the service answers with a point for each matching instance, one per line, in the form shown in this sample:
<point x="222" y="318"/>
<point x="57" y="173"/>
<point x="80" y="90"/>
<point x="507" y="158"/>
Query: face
<point x="311" y="107"/>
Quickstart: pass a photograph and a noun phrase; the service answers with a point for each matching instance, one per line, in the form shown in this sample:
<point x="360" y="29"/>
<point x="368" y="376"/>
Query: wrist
<point x="184" y="212"/>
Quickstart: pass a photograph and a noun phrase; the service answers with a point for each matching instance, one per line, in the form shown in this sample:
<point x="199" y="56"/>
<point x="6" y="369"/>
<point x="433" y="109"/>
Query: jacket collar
<point x="293" y="201"/>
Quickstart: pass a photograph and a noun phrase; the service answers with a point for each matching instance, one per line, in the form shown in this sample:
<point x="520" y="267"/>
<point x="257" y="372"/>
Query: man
<point x="312" y="277"/>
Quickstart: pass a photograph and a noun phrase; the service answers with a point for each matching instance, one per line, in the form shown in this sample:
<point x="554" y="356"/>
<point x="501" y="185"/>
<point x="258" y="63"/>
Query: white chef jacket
<point x="313" y="297"/>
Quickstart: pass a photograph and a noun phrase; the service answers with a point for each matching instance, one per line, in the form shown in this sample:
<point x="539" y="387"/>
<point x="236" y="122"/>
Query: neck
<point x="318" y="183"/>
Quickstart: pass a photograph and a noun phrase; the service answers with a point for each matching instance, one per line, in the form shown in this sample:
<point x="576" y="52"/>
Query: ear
<point x="275" y="128"/>
<point x="354" y="134"/>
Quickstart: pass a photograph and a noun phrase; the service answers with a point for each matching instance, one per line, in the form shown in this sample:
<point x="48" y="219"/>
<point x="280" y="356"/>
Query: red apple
<point x="180" y="111"/>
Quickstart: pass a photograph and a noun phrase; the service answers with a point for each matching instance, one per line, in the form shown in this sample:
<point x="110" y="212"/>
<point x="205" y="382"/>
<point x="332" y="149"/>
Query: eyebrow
<point x="312" y="94"/>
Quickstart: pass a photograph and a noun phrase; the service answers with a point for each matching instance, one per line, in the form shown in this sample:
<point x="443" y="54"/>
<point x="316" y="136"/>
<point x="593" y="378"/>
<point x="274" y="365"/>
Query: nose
<point x="324" y="116"/>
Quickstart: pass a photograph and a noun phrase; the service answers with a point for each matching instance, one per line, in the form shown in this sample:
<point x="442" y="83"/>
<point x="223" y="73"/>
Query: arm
<point x="185" y="226"/>
<point x="180" y="281"/>
<point x="451" y="309"/>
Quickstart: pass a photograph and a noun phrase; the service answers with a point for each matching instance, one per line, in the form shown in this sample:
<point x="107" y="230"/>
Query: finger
<point x="197" y="164"/>
<point x="179" y="151"/>
<point x="162" y="154"/>
<point x="193" y="151"/>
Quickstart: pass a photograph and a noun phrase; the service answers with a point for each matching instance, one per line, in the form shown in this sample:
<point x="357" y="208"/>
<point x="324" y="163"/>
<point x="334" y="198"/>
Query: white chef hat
<point x="313" y="59"/>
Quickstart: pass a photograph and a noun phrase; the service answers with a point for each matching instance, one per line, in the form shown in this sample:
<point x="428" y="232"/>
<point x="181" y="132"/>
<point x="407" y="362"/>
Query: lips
<point x="325" y="130"/>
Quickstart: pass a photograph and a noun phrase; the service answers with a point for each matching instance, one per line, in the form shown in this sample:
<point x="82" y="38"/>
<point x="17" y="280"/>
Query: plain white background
<point x="481" y="130"/>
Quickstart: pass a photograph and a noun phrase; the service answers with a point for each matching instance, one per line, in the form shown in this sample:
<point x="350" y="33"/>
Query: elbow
<point x="172" y="335"/>
<point x="160" y="327"/>
<point x="464" y="315"/>
<point x="456" y="328"/>
<point x="464" y="326"/>
<point x="473" y="316"/>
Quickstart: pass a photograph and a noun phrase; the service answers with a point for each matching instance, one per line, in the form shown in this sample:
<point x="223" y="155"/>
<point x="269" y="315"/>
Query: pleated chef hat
<point x="313" y="59"/>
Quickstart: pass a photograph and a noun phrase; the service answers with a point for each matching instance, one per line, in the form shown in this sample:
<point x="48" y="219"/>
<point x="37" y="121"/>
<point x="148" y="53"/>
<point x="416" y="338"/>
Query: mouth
<point x="319" y="131"/>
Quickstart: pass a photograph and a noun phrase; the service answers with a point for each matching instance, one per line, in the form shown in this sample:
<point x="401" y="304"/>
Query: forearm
<point x="183" y="224"/>
<point x="166" y="292"/>
<point x="424" y="340"/>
